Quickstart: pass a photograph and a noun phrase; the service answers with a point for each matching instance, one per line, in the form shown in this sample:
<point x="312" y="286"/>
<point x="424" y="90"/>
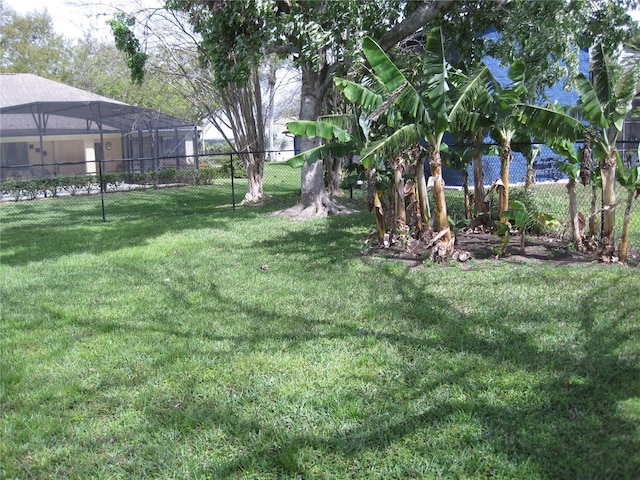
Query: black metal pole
<point x="100" y="159"/>
<point x="233" y="186"/>
<point x="104" y="217"/>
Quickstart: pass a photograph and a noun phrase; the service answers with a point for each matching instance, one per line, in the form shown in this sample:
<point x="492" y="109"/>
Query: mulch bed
<point x="485" y="247"/>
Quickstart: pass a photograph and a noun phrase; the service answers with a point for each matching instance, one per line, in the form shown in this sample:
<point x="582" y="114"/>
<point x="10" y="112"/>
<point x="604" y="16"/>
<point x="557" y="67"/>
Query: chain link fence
<point x="128" y="189"/>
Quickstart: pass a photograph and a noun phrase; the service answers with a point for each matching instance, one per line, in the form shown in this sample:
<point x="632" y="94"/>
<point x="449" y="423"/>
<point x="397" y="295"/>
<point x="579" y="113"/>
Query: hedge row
<point x="32" y="188"/>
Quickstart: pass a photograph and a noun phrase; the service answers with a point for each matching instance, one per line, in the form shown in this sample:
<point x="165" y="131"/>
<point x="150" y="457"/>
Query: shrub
<point x="205" y="175"/>
<point x="217" y="148"/>
<point x="167" y="175"/>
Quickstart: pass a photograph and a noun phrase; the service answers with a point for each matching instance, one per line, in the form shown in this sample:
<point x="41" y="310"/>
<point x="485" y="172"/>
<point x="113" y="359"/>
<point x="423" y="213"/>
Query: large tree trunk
<point x="255" y="174"/>
<point x="315" y="201"/>
<point x="243" y="107"/>
<point x="609" y="204"/>
<point x="441" y="219"/>
<point x="333" y="173"/>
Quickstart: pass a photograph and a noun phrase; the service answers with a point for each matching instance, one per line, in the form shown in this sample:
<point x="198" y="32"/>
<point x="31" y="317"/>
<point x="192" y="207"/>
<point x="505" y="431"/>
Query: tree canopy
<point x="29" y="44"/>
<point x="545" y="35"/>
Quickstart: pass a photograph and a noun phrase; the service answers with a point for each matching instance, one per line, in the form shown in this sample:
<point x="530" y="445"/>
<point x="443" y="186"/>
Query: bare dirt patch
<point x="486" y="246"/>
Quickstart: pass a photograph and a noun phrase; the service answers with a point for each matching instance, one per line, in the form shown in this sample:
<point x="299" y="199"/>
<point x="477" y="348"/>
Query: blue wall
<point x="544" y="167"/>
<point x="545" y="164"/>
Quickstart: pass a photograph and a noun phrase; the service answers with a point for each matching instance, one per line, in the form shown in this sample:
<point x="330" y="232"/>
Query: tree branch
<point x="414" y="22"/>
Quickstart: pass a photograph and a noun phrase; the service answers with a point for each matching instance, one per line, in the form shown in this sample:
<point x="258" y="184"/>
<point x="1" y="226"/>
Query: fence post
<point x="100" y="167"/>
<point x="233" y="187"/>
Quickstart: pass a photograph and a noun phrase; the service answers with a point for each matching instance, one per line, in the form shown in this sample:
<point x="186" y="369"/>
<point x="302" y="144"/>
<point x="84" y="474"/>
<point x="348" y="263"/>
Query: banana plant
<point x="629" y="178"/>
<point x="471" y="136"/>
<point x="344" y="134"/>
<point x="518" y="219"/>
<point x="506" y="114"/>
<point x="604" y="104"/>
<point x="415" y="116"/>
<point x="571" y="168"/>
<point x="530" y="151"/>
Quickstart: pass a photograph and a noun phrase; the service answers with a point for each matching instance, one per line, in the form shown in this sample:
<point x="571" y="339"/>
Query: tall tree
<point x="321" y="36"/>
<point x="545" y="35"/>
<point x="98" y="68"/>
<point x="175" y="53"/>
<point x="29" y="44"/>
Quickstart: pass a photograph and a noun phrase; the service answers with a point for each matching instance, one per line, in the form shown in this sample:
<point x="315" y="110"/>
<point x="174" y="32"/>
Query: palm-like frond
<point x="389" y="147"/>
<point x="590" y="100"/>
<point x="345" y="121"/>
<point x="349" y="122"/>
<point x="550" y="122"/>
<point x="359" y="94"/>
<point x="322" y="129"/>
<point x="603" y="76"/>
<point x="471" y="100"/>
<point x="314" y="154"/>
<point x="385" y="70"/>
<point x="625" y="91"/>
<point x="567" y="148"/>
<point x="435" y="70"/>
<point x="403" y="96"/>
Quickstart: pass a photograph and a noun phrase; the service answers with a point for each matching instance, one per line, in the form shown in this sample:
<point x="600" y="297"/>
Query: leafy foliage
<point x="32" y="188"/>
<point x="545" y="35"/>
<point x="29" y="44"/>
<point x="127" y="43"/>
<point x="237" y="34"/>
<point x="519" y="220"/>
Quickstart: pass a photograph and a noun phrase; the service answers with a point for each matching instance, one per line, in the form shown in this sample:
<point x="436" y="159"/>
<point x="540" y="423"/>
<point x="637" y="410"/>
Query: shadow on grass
<point x="566" y="424"/>
<point x="541" y="412"/>
<point x="572" y="428"/>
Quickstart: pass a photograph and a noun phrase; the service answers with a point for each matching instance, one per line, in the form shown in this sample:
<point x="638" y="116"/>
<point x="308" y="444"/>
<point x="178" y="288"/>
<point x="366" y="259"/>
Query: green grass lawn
<point x="160" y="345"/>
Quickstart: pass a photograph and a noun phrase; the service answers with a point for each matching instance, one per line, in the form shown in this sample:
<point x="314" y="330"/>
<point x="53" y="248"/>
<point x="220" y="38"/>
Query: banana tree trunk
<point x="592" y="211"/>
<point x="465" y="188"/>
<point x="574" y="217"/>
<point x="375" y="205"/>
<point x="530" y="178"/>
<point x="585" y="161"/>
<point x="478" y="186"/>
<point x="505" y="164"/>
<point x="441" y="219"/>
<point x="423" y="201"/>
<point x="398" y="184"/>
<point x="624" y="239"/>
<point x="315" y="200"/>
<point x="609" y="203"/>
